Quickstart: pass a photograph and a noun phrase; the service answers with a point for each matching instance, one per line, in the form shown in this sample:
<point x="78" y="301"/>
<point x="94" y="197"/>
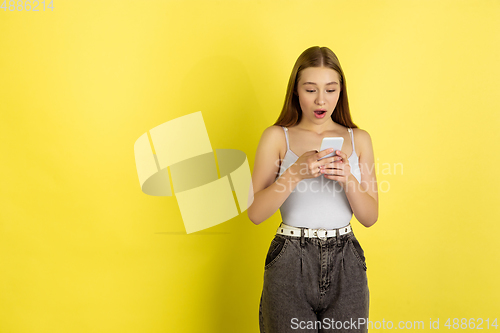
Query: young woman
<point x="315" y="271"/>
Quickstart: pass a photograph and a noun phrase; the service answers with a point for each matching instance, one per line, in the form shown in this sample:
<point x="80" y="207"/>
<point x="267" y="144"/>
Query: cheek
<point x="302" y="100"/>
<point x="335" y="97"/>
<point x="306" y="99"/>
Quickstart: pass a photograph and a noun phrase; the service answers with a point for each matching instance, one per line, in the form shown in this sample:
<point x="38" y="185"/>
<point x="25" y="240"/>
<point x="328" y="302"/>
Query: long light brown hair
<point x="315" y="56"/>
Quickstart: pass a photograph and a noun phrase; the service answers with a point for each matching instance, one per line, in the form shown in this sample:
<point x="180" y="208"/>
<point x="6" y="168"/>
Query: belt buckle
<point x="323" y="238"/>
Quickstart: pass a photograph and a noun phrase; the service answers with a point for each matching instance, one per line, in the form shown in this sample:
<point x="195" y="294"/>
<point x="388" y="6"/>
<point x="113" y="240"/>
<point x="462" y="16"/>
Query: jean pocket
<point x="357" y="251"/>
<point x="276" y="250"/>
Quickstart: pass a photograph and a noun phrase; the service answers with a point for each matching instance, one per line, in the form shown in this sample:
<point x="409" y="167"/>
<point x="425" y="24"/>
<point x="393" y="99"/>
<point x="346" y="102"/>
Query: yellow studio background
<point x="82" y="249"/>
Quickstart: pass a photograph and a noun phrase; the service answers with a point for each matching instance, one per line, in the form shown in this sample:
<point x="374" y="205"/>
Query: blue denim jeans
<point x="314" y="285"/>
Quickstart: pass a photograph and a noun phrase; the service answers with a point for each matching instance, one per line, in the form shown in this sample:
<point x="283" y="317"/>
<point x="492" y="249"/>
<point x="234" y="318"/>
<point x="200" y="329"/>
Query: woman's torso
<point x="316" y="202"/>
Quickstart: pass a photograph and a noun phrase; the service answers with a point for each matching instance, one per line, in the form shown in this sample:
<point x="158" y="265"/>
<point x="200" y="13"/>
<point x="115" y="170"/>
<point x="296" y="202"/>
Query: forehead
<point x="319" y="75"/>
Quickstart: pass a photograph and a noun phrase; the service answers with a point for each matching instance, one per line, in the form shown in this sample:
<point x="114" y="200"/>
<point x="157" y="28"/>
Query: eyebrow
<point x="315" y="83"/>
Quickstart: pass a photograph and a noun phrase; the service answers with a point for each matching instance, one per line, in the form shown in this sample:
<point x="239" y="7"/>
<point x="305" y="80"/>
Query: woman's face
<point x="318" y="89"/>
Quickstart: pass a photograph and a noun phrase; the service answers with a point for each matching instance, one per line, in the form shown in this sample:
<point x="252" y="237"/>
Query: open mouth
<point x="320" y="113"/>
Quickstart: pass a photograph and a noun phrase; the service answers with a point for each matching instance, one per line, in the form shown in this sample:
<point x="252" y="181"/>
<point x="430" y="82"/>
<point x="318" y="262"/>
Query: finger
<point x="333" y="172"/>
<point x="327" y="160"/>
<point x="340" y="179"/>
<point x="341" y="154"/>
<point x="323" y="153"/>
<point x="338" y="170"/>
<point x="330" y="162"/>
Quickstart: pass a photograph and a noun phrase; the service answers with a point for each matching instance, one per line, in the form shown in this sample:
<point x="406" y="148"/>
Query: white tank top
<point x="317" y="202"/>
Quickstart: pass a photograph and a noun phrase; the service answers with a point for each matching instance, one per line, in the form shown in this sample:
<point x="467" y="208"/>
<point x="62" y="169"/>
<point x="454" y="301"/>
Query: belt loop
<point x="337" y="236"/>
<point x="302" y="237"/>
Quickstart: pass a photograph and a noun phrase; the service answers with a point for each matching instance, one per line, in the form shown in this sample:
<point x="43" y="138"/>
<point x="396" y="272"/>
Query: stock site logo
<point x="182" y="146"/>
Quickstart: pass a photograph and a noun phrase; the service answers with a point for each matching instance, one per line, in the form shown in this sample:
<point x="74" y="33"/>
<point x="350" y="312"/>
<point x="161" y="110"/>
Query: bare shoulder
<point x="361" y="134"/>
<point x="273" y="131"/>
<point x="273" y="138"/>
<point x="363" y="142"/>
<point x="267" y="158"/>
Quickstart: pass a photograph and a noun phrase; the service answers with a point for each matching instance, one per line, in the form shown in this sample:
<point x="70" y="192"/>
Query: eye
<point x="330" y="90"/>
<point x="310" y="90"/>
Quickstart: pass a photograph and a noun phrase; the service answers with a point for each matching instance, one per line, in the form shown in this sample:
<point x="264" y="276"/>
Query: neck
<point x="317" y="128"/>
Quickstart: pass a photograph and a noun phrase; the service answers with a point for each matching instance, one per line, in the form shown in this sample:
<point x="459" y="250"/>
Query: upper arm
<point x="267" y="158"/>
<point x="367" y="164"/>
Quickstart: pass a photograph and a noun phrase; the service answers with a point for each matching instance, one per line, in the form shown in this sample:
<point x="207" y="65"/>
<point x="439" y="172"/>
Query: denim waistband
<point x="335" y="237"/>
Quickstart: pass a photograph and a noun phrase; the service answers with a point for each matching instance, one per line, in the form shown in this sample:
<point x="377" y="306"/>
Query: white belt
<point x="285" y="229"/>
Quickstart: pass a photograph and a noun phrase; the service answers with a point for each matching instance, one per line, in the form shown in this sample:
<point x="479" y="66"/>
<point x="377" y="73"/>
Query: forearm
<point x="363" y="205"/>
<point x="267" y="201"/>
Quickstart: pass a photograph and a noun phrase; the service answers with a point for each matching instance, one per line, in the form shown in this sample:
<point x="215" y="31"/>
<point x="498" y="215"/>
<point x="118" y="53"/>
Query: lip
<point x="322" y="115"/>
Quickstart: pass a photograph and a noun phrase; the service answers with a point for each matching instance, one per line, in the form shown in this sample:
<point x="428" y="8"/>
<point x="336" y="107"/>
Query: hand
<point x="339" y="170"/>
<point x="308" y="166"/>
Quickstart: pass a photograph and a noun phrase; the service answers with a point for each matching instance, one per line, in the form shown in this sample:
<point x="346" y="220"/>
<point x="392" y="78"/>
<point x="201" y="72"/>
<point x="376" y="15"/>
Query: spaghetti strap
<point x="286" y="137"/>
<point x="352" y="139"/>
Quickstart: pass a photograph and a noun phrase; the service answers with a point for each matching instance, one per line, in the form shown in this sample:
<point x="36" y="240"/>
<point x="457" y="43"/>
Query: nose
<point x="320" y="100"/>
